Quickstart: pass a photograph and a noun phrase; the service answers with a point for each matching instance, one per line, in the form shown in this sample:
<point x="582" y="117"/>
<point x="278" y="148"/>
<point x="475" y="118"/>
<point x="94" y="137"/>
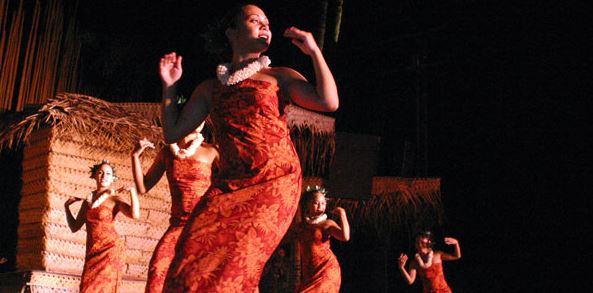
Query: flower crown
<point x="316" y="188"/>
<point x="94" y="168"/>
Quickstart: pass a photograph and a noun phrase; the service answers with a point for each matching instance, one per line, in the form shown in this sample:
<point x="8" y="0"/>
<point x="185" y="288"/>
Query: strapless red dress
<point x="103" y="262"/>
<point x="321" y="270"/>
<point x="433" y="279"/>
<point x="232" y="234"/>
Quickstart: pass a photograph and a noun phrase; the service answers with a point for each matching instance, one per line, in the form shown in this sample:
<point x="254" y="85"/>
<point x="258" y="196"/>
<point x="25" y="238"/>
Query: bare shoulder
<point x="285" y="74"/>
<point x="437" y="255"/>
<point x="208" y="153"/>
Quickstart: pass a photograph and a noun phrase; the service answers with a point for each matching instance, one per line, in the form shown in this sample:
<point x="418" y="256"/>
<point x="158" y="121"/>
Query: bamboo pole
<point x="338" y="23"/>
<point x="67" y="76"/>
<point x="10" y="63"/>
<point x="55" y="42"/>
<point x="25" y="87"/>
<point x="3" y="17"/>
<point x="322" y="24"/>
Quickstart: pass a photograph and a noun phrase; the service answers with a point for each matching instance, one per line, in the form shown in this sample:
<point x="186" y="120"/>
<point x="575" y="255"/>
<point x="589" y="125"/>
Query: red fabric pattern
<point x="321" y="270"/>
<point x="188" y="180"/>
<point x="433" y="279"/>
<point x="104" y="253"/>
<point x="229" y="237"/>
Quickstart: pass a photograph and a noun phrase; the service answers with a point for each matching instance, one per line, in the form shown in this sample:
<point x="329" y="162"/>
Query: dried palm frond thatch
<point x="313" y="136"/>
<point x="395" y="203"/>
<point x="91" y="120"/>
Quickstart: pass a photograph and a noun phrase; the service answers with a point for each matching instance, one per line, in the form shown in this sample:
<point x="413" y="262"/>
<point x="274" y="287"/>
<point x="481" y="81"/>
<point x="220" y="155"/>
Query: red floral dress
<point x="433" y="279"/>
<point x="321" y="270"/>
<point x="229" y="237"/>
<point x="188" y="180"/>
<point x="104" y="252"/>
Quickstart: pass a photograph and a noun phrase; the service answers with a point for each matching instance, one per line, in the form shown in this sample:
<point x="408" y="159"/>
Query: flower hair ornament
<point x="316" y="188"/>
<point x="94" y="168"/>
<point x="223" y="71"/>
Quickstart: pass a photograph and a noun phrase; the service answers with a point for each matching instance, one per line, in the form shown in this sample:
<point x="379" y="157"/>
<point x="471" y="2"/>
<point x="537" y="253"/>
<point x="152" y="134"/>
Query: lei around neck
<point x="223" y="71"/>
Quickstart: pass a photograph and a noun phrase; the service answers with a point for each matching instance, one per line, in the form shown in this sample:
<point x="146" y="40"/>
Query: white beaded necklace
<point x="188" y="151"/>
<point x="227" y="78"/>
<point x="316" y="220"/>
<point x="428" y="263"/>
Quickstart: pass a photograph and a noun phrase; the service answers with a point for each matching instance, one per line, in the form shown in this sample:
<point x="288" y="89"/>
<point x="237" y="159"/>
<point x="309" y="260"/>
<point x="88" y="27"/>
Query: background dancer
<point x="104" y="249"/>
<point x="428" y="263"/>
<point x="188" y="164"/>
<point x="321" y="270"/>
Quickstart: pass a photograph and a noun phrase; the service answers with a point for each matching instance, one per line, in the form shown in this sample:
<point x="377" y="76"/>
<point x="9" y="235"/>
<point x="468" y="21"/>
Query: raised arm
<point x="177" y="125"/>
<point x="457" y="254"/>
<point x="409" y="275"/>
<point x="132" y="209"/>
<point x="145" y="182"/>
<point x="75" y="223"/>
<point x="324" y="97"/>
<point x="340" y="231"/>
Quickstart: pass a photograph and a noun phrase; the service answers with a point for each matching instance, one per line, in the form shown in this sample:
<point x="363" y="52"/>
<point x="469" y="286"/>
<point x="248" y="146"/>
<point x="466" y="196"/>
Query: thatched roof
<point x="80" y="117"/>
<point x="394" y="203"/>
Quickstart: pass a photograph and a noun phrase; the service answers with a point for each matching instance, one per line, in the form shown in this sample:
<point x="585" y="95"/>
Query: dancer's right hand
<point x="141" y="146"/>
<point x="403" y="258"/>
<point x="170" y="69"/>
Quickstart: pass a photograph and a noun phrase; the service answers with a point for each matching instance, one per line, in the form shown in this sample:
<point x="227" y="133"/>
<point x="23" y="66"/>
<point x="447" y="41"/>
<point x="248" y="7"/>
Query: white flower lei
<point x="428" y="263"/>
<point x="226" y="78"/>
<point x="190" y="150"/>
<point x="316" y="220"/>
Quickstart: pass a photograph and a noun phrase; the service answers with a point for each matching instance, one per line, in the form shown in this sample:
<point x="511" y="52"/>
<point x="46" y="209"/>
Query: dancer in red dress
<point x="228" y="239"/>
<point x="104" y="249"/>
<point x="429" y="264"/>
<point x="321" y="270"/>
<point x="188" y="164"/>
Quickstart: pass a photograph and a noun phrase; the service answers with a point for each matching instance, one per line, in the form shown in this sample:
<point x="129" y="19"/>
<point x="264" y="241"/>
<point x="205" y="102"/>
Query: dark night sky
<point x="505" y="87"/>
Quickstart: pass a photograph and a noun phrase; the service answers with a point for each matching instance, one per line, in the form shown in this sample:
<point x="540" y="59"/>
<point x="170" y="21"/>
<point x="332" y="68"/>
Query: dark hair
<point x="425" y="234"/>
<point x="94" y="168"/>
<point x="309" y="194"/>
<point x="215" y="40"/>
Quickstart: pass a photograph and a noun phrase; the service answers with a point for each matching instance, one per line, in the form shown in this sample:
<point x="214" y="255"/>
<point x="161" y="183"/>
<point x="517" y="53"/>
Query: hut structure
<point x="71" y="132"/>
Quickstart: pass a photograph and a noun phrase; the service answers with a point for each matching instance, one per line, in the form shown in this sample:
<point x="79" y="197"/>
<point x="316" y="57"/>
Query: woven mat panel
<point x="41" y="282"/>
<point x="32" y="230"/>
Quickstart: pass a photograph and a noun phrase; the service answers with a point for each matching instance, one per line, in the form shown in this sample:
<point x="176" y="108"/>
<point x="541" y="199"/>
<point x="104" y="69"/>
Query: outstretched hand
<point x="141" y="146"/>
<point x="302" y="39"/>
<point x="338" y="211"/>
<point x="450" y="241"/>
<point x="403" y="258"/>
<point x="170" y="69"/>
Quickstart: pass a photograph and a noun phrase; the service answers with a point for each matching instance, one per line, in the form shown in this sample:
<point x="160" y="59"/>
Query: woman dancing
<point x="321" y="270"/>
<point x="227" y="241"/>
<point x="188" y="164"/>
<point x="429" y="264"/>
<point x="104" y="258"/>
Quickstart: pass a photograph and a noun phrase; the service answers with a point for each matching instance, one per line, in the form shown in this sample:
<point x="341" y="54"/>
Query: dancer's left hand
<point x="302" y="39"/>
<point x="339" y="211"/>
<point x="450" y="240"/>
